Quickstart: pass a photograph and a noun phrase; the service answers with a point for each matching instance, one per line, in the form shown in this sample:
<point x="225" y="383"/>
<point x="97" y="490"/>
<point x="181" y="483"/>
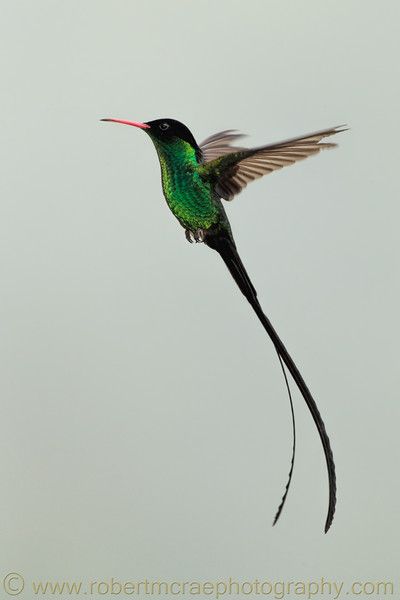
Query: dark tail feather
<point x="282" y="504"/>
<point x="224" y="245"/>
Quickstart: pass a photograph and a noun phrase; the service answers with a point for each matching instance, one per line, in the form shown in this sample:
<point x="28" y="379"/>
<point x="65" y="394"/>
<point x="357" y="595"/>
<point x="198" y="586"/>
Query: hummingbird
<point x="196" y="179"/>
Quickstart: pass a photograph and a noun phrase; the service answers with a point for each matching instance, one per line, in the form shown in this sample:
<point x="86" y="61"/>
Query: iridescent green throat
<point x="189" y="197"/>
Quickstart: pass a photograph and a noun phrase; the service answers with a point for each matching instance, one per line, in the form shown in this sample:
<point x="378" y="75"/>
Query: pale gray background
<point x="145" y="427"/>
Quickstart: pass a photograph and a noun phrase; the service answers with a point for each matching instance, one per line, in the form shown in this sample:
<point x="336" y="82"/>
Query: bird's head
<point x="163" y="131"/>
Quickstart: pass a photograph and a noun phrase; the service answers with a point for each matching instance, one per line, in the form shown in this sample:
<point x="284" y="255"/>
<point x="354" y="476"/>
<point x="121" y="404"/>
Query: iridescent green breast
<point x="190" y="199"/>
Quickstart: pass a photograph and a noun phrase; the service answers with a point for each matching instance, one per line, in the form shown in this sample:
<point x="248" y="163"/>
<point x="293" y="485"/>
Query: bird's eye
<point x="164" y="126"/>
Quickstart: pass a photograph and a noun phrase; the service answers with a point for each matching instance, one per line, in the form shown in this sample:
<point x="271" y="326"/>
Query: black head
<point x="163" y="130"/>
<point x="170" y="129"/>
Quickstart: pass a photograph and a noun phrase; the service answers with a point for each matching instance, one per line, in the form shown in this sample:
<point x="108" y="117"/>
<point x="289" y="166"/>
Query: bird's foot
<point x="189" y="236"/>
<point x="196" y="236"/>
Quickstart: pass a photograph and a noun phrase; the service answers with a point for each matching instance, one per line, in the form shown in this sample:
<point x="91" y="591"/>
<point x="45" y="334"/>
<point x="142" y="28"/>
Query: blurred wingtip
<point x="340" y="128"/>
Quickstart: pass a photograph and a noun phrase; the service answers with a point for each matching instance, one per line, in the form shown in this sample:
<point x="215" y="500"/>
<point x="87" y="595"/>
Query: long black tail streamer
<point x="223" y="243"/>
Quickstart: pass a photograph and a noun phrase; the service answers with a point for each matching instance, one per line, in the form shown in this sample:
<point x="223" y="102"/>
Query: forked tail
<point x="225" y="246"/>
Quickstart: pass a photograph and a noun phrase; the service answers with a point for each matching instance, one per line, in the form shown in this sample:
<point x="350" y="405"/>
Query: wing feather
<point x="237" y="166"/>
<point x="220" y="144"/>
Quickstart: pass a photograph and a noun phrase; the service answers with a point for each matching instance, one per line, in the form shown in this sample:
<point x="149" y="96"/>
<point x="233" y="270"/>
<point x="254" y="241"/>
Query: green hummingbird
<point x="195" y="179"/>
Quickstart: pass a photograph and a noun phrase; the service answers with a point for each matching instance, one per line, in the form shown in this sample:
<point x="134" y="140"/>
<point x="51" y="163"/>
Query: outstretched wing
<point x="232" y="168"/>
<point x="219" y="144"/>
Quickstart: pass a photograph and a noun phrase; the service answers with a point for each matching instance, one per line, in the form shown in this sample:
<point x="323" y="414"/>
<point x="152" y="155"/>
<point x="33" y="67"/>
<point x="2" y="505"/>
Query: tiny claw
<point x="189" y="236"/>
<point x="199" y="235"/>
